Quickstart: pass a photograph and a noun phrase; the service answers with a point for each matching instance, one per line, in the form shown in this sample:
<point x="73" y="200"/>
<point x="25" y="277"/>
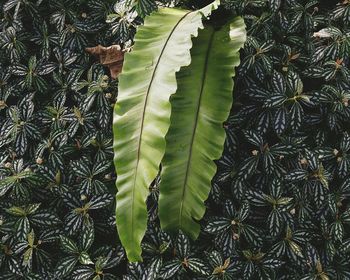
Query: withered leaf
<point x="112" y="57"/>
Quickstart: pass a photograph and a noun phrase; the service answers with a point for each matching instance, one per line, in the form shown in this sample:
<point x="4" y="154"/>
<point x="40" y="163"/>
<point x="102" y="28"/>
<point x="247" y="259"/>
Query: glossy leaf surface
<point x="196" y="135"/>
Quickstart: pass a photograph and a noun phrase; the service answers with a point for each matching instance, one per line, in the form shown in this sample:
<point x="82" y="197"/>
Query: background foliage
<point x="279" y="207"/>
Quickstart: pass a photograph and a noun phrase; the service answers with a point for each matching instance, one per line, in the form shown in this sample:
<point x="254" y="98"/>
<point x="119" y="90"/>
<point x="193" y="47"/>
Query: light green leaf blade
<point x="196" y="135"/>
<point x="142" y="113"/>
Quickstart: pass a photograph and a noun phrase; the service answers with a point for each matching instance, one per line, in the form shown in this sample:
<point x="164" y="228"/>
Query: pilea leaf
<point x="142" y="113"/>
<point x="196" y="135"/>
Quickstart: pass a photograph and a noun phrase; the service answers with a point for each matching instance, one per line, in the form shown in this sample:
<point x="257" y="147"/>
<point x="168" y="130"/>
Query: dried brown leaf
<point x="112" y="57"/>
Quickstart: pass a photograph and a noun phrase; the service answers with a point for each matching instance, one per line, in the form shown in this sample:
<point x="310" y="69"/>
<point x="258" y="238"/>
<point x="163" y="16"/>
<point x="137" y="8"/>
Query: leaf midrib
<point x="144" y="111"/>
<point x="204" y="74"/>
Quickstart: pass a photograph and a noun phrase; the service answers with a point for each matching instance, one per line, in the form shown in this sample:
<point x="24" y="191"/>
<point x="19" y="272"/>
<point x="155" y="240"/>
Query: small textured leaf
<point x="45" y="219"/>
<point x="182" y="245"/>
<point x="217" y="225"/>
<point x="68" y="245"/>
<point x="169" y="269"/>
<point x="87" y="237"/>
<point x="100" y="201"/>
<point x="22" y="227"/>
<point x="84" y="258"/>
<point x="297" y="175"/>
<point x="65" y="266"/>
<point x="198" y="266"/>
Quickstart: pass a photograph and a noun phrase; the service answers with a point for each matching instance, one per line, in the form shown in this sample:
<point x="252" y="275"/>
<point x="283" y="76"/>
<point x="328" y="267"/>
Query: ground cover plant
<point x="279" y="204"/>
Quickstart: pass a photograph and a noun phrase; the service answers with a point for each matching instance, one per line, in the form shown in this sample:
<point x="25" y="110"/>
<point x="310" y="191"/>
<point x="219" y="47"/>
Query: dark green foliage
<point x="56" y="180"/>
<point x="279" y="206"/>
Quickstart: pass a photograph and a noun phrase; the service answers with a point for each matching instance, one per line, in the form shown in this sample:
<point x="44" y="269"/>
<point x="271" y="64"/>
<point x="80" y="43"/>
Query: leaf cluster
<point x="279" y="205"/>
